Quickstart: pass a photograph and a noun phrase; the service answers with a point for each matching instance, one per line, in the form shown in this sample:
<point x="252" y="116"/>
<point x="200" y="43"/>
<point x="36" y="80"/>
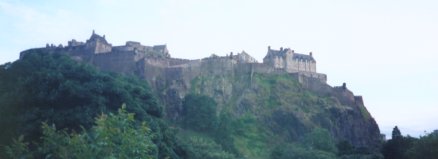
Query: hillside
<point x="222" y="107"/>
<point x="273" y="108"/>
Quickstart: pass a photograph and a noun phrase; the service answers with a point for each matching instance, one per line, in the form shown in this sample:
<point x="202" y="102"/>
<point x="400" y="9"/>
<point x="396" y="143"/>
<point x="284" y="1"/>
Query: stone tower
<point x="97" y="44"/>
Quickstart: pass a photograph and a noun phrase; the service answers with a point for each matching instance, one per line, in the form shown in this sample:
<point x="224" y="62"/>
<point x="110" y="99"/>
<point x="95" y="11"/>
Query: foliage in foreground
<point x="113" y="136"/>
<point x="53" y="88"/>
<point x="318" y="144"/>
<point x="202" y="148"/>
<point x="406" y="147"/>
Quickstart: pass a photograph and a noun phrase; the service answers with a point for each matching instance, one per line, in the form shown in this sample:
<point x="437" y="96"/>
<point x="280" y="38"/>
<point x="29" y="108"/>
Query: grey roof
<point x="95" y="37"/>
<point x="304" y="57"/>
<point x="277" y="52"/>
<point x="283" y="52"/>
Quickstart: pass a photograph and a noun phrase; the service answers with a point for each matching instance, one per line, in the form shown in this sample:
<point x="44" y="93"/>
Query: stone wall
<point x="120" y="62"/>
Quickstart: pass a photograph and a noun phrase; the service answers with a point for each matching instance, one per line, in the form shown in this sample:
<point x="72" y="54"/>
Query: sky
<point x="386" y="51"/>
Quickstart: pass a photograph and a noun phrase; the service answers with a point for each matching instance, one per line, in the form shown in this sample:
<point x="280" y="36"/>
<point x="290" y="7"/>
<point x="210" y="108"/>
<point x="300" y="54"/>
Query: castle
<point x="172" y="78"/>
<point x="135" y="58"/>
<point x="235" y="74"/>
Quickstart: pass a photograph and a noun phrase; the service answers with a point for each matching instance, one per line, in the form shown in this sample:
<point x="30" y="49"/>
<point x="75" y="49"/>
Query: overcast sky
<point x="385" y="50"/>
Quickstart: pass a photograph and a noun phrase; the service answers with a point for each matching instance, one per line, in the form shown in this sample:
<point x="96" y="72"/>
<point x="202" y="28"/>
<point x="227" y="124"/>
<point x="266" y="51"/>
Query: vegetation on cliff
<point x="55" y="89"/>
<point x="56" y="107"/>
<point x="274" y="116"/>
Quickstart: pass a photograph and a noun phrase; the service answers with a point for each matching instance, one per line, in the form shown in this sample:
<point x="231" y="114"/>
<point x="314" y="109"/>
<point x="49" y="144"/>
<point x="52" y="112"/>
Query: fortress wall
<point x="102" y="48"/>
<point x="157" y="62"/>
<point x="244" y="68"/>
<point x="217" y="66"/>
<point x="121" y="62"/>
<point x="122" y="48"/>
<point x="314" y="84"/>
<point x="345" y="96"/>
<point x="177" y="61"/>
<point x="321" y="77"/>
<point x="359" y="100"/>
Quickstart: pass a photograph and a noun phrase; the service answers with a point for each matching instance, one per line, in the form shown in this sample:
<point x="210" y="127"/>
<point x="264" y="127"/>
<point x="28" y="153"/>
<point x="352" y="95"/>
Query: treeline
<point x="56" y="90"/>
<point x="406" y="147"/>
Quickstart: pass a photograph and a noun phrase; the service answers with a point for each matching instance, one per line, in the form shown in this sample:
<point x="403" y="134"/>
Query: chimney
<point x="310" y="54"/>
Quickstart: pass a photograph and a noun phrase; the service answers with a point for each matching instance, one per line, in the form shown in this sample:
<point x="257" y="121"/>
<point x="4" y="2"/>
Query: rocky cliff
<point x="285" y="104"/>
<point x="280" y="104"/>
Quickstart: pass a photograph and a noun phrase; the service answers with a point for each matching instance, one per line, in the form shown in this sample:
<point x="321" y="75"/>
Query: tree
<point x="396" y="133"/>
<point x="199" y="112"/>
<point x="205" y="148"/>
<point x="53" y="88"/>
<point x="113" y="136"/>
<point x="397" y="147"/>
<point x="299" y="151"/>
<point x="425" y="148"/>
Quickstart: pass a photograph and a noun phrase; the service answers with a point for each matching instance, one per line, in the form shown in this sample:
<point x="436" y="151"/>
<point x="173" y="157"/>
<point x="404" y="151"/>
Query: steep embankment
<point x="272" y="107"/>
<point x="260" y="112"/>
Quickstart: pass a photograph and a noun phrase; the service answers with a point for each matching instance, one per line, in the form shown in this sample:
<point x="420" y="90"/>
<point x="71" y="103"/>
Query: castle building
<point x="134" y="58"/>
<point x="98" y="44"/>
<point x="289" y="61"/>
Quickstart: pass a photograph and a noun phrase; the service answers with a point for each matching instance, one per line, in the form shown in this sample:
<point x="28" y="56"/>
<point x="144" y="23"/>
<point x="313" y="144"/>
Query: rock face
<point x="284" y="94"/>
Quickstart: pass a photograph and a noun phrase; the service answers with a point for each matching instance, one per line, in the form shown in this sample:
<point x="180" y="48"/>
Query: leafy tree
<point x="396" y="133"/>
<point x="397" y="147"/>
<point x="299" y="151"/>
<point x="199" y="112"/>
<point x="425" y="148"/>
<point x="53" y="88"/>
<point x="348" y="151"/>
<point x="113" y="136"/>
<point x="205" y="148"/>
<point x="224" y="131"/>
<point x="317" y="144"/>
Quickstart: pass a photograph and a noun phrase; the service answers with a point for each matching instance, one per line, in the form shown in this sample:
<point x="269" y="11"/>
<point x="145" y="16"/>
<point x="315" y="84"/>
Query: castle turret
<point x="98" y="44"/>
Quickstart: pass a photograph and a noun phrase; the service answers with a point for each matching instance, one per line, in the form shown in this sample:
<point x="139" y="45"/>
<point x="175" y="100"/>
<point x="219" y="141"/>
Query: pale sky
<point x="385" y="50"/>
